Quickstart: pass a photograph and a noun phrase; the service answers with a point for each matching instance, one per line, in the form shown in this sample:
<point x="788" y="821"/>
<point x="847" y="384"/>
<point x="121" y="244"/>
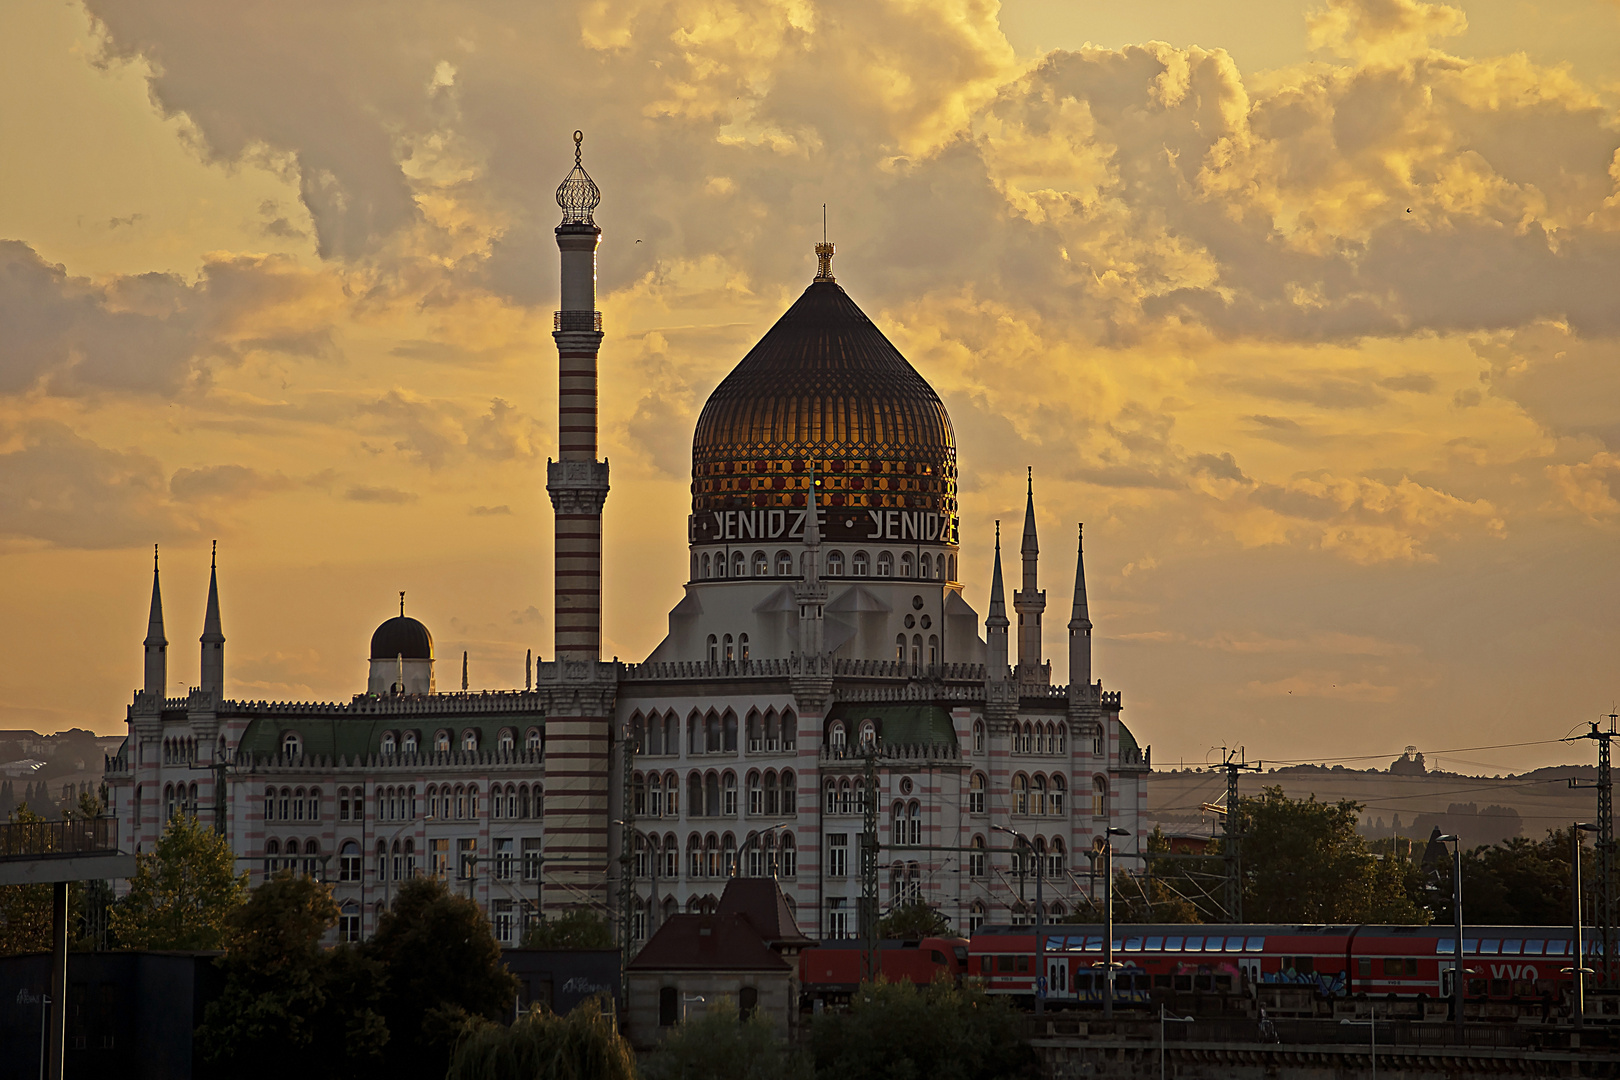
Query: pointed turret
<point x="810" y="591"/>
<point x="157" y="646"/>
<point x="996" y="622"/>
<point x="463" y="670"/>
<point x="213" y="636"/>
<point x="1080" y="622"/>
<point x="1029" y="602"/>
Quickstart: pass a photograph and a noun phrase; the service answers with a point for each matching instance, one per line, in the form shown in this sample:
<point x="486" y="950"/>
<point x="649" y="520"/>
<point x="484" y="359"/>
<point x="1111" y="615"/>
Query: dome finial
<point x="402" y="603"/>
<point x="578" y="194"/>
<point x="824" y="251"/>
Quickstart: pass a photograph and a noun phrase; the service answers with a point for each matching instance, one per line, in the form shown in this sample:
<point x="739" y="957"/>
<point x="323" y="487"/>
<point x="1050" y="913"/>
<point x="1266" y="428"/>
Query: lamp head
<point x="1448" y="838"/>
<point x="1586" y="826"/>
<point x="1112" y="831"/>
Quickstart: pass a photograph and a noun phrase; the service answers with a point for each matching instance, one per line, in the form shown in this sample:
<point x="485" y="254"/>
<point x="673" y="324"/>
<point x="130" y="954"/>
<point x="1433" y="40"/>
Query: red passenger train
<point x="1501" y="963"/>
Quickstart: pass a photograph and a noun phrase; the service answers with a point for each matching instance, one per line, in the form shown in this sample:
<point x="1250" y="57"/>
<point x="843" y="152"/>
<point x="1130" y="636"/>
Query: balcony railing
<point x="45" y="839"/>
<point x="577" y="320"/>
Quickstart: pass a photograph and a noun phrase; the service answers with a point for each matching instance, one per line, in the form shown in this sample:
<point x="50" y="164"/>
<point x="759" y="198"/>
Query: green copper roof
<point x="919" y="724"/>
<point x="361" y="736"/>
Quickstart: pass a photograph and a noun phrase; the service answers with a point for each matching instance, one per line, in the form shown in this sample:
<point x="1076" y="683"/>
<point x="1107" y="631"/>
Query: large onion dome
<point x="824" y="389"/>
<point x="402" y="636"/>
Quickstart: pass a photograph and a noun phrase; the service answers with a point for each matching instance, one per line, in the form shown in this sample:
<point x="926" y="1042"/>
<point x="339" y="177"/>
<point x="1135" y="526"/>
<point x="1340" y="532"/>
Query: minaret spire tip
<point x="402" y="603"/>
<point x="824" y="251"/>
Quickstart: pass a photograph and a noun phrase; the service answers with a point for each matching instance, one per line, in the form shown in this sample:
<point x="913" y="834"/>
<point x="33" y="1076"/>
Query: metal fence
<point x="44" y="839"/>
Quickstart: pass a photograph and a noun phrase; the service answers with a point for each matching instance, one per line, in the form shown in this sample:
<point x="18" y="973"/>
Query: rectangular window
<point x="466" y="857"/>
<point x="439" y="854"/>
<point x="503" y="920"/>
<point x="756" y="800"/>
<point x="729" y="807"/>
<point x="349" y="867"/>
<point x="837" y="918"/>
<point x="349" y="925"/>
<point x="503" y="859"/>
<point x="976" y="863"/>
<point x="1364" y="968"/>
<point x="838" y="855"/>
<point x="532" y="858"/>
<point x="343" y="806"/>
<point x="1392" y="965"/>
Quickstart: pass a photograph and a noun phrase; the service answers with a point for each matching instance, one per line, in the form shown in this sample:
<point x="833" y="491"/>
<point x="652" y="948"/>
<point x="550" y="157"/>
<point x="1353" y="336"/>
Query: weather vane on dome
<point x="824" y="251"/>
<point x="578" y="194"/>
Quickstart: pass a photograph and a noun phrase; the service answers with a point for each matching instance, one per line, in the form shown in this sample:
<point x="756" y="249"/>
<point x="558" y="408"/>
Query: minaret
<point x="578" y="483"/>
<point x="1029" y="602"/>
<point x="213" y="637"/>
<point x="157" y="646"/>
<point x="996" y="623"/>
<point x="464" y="671"/>
<point x="1080" y="623"/>
<point x="810" y="590"/>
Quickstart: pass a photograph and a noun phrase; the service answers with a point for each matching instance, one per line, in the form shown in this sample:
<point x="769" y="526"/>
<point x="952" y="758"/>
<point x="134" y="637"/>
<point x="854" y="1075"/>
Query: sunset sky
<point x="1310" y="312"/>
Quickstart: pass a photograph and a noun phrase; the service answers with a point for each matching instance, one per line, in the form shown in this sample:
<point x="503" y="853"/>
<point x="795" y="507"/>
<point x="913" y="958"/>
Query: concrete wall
<point x="778" y="998"/>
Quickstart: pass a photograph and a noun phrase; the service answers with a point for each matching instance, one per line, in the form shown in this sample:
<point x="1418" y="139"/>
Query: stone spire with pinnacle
<point x="213" y="636"/>
<point x="1080" y="623"/>
<point x="1029" y="602"/>
<point x="996" y="623"/>
<point x="157" y="646"/>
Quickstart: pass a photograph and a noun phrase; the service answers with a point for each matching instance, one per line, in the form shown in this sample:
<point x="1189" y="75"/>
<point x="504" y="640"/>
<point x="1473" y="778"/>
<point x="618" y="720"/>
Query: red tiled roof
<point x="719" y="942"/>
<point x="760" y="901"/>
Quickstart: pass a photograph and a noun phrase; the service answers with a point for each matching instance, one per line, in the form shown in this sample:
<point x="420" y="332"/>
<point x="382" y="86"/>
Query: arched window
<point x="756" y="795"/>
<point x="728" y="855"/>
<point x="906" y="570"/>
<point x="846" y="797"/>
<point x="742" y="647"/>
<point x="1020" y="787"/>
<point x="349" y="861"/>
<point x="835" y="564"/>
<point x="739" y="564"/>
<point x="836" y="737"/>
<point x="694" y="856"/>
<point x="672" y="733"/>
<point x="507" y="740"/>
<point x="789" y="855"/>
<point x="711" y="733"/>
<point x="933" y="650"/>
<point x="694" y="566"/>
<point x="655" y="795"/>
<point x="925" y="568"/>
<point x="408" y="743"/>
<point x="728" y="792"/>
<point x="1054" y="858"/>
<point x="388" y="744"/>
<point x="762" y="564"/>
<point x="382" y="860"/>
<point x="900" y="648"/>
<point x="672" y="857"/>
<point x="719" y="564"/>
<point x="858" y="564"/>
<point x="694" y="794"/>
<point x="672" y="795"/>
<point x="441" y="742"/>
<point x="706" y="573"/>
<point x="1037" y="795"/>
<point x="272" y="848"/>
<point x="790" y="730"/>
<point x="531" y="740"/>
<point x="728" y="733"/>
<point x="755" y="725"/>
<point x="978" y="736"/>
<point x="714" y="649"/>
<point x="638" y="799"/>
<point x="976" y="787"/>
<point x="976" y="859"/>
<point x="469" y="739"/>
<point x="831" y="801"/>
<point x="298" y="805"/>
<point x="1099" y="796"/>
<point x="885" y="564"/>
<point x="939" y="567"/>
<point x="711" y="856"/>
<point x="790" y="793"/>
<point x="711" y="795"/>
<point x="784" y="564"/>
<point x="868" y="734"/>
<point x="728" y="649"/>
<point x="975" y="916"/>
<point x="916" y="650"/>
<point x="291" y="744"/>
<point x="1054" y="798"/>
<point x="314" y="802"/>
<point x="897" y="823"/>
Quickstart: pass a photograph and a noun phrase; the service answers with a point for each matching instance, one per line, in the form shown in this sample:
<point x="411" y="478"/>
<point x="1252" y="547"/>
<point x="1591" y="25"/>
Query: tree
<point x="913" y="921"/>
<point x="444" y="969"/>
<point x="897" y="1031"/>
<point x="183" y="893"/>
<point x="715" y="1046"/>
<point x="578" y="928"/>
<point x="1522" y="881"/>
<point x="288" y="1005"/>
<point x="1304" y="862"/>
<point x="580" y="1046"/>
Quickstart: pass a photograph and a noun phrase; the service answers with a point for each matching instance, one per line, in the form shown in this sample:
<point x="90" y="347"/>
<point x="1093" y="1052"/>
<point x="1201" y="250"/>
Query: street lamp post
<point x="1372" y="1028"/>
<point x="1578" y="967"/>
<point x="737" y="857"/>
<point x="1163" y="1016"/>
<point x="1457" y="930"/>
<point x="1040" y="928"/>
<point x="1108" y="932"/>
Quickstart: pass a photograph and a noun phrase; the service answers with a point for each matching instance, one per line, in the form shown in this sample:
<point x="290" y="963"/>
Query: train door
<point x="1448" y="981"/>
<point x="1057" y="977"/>
<point x="1250" y="967"/>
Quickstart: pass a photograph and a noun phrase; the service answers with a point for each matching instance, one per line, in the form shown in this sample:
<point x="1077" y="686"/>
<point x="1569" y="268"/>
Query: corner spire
<point x="156" y="644"/>
<point x="1080" y="621"/>
<point x="1030" y="546"/>
<point x="213" y="635"/>
<point x="996" y="622"/>
<point x="998" y="594"/>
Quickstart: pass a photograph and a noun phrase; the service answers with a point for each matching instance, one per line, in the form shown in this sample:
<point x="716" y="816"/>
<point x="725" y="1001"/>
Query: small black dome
<point x="402" y="636"/>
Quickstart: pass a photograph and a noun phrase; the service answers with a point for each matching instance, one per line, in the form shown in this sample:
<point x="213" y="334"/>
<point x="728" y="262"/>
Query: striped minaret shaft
<point x="577" y="737"/>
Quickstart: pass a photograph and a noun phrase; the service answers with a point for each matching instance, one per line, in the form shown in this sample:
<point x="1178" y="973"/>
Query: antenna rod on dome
<point x="823" y="223"/>
<point x="402" y="603"/>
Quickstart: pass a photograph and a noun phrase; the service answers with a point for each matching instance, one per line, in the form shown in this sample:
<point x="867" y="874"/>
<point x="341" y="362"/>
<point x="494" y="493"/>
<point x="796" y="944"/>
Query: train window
<point x="1557" y="948"/>
<point x="1172" y="944"/>
<point x="1153" y="944"/>
<point x="1533" y="948"/>
<point x="1304" y="965"/>
<point x="1004" y="963"/>
<point x="1203" y="981"/>
<point x="1183" y="982"/>
<point x="1223" y="982"/>
<point x="1195" y="944"/>
<point x="1392" y="965"/>
<point x="1411" y="965"/>
<point x="1511" y="947"/>
<point x="1499" y="988"/>
<point x="1235" y="944"/>
<point x="1470" y="946"/>
<point x="1023" y="963"/>
<point x="961" y="953"/>
<point x="1476" y="987"/>
<point x="1255" y="944"/>
<point x="1133" y="944"/>
<point x="936" y="956"/>
<point x="1162" y="982"/>
<point x="1445" y="946"/>
<point x="1488" y="946"/>
<point x="1364" y="968"/>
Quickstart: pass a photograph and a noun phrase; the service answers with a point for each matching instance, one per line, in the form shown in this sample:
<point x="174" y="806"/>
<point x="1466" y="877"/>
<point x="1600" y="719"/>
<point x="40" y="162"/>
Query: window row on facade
<point x="909" y="565"/>
<point x="444" y="802"/>
<point x="443" y="741"/>
<point x="769" y="853"/>
<point x="1031" y="737"/>
<point x="713" y="732"/>
<point x="715" y="794"/>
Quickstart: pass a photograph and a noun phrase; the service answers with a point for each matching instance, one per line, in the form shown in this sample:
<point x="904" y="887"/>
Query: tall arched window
<point x="784" y="564"/>
<point x="916" y="650"/>
<point x="719" y="564"/>
<point x="830" y="803"/>
<point x="1099" y="796"/>
<point x="694" y="733"/>
<point x="835" y="564"/>
<point x="933" y="650"/>
<point x="1055" y="797"/>
<point x="976" y="786"/>
<point x="672" y="795"/>
<point x="976" y="860"/>
<point x="858" y="564"/>
<point x="694" y="794"/>
<point x="836" y="736"/>
<point x="728" y="733"/>
<point x="729" y="651"/>
<point x="789" y="856"/>
<point x="978" y="736"/>
<point x="711" y="795"/>
<point x="706" y="570"/>
<point x="756" y="796"/>
<point x="408" y="743"/>
<point x="388" y="744"/>
<point x="906" y="570"/>
<point x="1020" y="787"/>
<point x="925" y="568"/>
<point x="655" y="795"/>
<point x="1037" y="792"/>
<point x="714" y="649"/>
<point x="738" y="564"/>
<point x="728" y="792"/>
<point x="914" y="823"/>
<point x="900" y="648"/>
<point x="790" y="793"/>
<point x="742" y="646"/>
<point x="441" y="742"/>
<point x="762" y="564"/>
<point x="885" y="564"/>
